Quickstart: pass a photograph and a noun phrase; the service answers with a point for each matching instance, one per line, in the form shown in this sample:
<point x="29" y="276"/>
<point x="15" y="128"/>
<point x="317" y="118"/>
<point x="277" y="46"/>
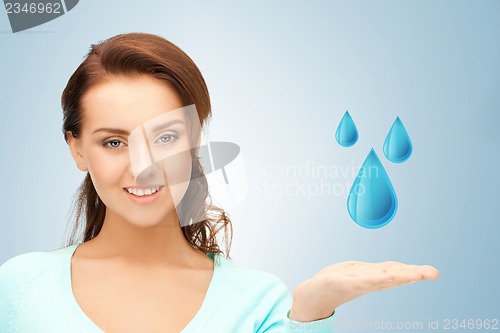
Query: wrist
<point x="304" y="311"/>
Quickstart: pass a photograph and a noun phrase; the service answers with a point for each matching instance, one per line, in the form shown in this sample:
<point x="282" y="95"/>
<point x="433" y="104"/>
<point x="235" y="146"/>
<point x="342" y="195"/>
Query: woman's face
<point x="111" y="110"/>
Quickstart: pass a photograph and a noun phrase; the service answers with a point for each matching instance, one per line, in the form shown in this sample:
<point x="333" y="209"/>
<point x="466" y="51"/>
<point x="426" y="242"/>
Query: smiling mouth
<point x="142" y="192"/>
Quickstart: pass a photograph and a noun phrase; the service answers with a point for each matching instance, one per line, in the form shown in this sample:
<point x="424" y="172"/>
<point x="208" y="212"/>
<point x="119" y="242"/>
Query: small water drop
<point x="347" y="133"/>
<point x="397" y="145"/>
<point x="372" y="201"/>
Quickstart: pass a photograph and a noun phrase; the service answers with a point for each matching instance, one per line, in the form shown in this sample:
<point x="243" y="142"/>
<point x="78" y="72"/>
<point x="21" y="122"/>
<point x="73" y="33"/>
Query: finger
<point x="389" y="264"/>
<point x="431" y="272"/>
<point x="421" y="273"/>
<point x="413" y="274"/>
<point x="428" y="271"/>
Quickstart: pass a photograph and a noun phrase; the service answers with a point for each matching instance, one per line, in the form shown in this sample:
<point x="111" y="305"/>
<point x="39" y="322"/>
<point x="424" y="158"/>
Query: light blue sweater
<point x="36" y="296"/>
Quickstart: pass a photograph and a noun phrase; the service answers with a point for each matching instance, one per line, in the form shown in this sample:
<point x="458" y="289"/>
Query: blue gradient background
<point x="281" y="75"/>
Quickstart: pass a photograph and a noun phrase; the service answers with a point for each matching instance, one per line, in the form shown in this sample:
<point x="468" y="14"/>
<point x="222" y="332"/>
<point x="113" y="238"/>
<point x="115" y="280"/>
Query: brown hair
<point x="145" y="54"/>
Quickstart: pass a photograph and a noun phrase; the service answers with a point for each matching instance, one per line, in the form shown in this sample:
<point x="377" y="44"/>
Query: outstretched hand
<point x="340" y="283"/>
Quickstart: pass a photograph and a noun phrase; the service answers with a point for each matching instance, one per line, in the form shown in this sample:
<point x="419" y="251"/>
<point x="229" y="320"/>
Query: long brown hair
<point x="144" y="54"/>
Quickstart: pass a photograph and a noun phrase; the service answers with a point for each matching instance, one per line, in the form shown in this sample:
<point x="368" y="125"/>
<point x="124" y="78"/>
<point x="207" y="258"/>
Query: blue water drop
<point x="347" y="133"/>
<point x="372" y="201"/>
<point x="397" y="145"/>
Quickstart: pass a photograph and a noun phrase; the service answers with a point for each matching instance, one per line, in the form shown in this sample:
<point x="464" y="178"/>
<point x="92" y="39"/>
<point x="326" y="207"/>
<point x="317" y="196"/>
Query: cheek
<point x="179" y="175"/>
<point x="107" y="168"/>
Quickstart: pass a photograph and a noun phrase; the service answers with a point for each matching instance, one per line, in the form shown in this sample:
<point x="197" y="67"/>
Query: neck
<point x="162" y="243"/>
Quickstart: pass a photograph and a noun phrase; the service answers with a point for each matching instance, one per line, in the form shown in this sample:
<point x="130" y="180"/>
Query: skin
<point x="141" y="256"/>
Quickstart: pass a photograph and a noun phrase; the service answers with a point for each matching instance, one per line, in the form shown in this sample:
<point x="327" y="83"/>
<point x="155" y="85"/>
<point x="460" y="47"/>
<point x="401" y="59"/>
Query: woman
<point x="151" y="258"/>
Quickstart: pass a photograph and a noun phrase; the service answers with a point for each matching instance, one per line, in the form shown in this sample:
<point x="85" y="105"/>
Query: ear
<point x="74" y="147"/>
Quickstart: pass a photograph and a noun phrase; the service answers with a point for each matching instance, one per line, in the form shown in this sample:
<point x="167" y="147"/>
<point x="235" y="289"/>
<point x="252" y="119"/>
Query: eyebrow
<point x="112" y="131"/>
<point x="118" y="131"/>
<point x="167" y="124"/>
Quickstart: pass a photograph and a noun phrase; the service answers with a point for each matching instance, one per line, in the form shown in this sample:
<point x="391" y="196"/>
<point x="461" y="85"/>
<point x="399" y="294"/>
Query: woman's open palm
<point x="340" y="283"/>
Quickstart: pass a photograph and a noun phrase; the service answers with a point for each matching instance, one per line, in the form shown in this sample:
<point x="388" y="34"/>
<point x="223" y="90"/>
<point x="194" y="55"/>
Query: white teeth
<point x="140" y="192"/>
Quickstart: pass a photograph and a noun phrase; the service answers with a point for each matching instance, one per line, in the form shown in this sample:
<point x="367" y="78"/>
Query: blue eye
<point x="166" y="138"/>
<point x="113" y="144"/>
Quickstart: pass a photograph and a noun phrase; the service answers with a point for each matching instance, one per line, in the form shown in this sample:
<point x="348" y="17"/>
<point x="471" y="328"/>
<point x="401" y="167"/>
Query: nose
<point x="152" y="175"/>
<point x="144" y="170"/>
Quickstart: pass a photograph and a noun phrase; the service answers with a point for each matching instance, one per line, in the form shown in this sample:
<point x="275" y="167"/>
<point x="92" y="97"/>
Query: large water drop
<point x="372" y="201"/>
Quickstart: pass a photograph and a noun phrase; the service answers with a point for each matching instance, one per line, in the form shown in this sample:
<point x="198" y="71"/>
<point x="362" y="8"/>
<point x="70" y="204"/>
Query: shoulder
<point x="260" y="297"/>
<point x="25" y="267"/>
<point x="19" y="274"/>
<point x="256" y="283"/>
